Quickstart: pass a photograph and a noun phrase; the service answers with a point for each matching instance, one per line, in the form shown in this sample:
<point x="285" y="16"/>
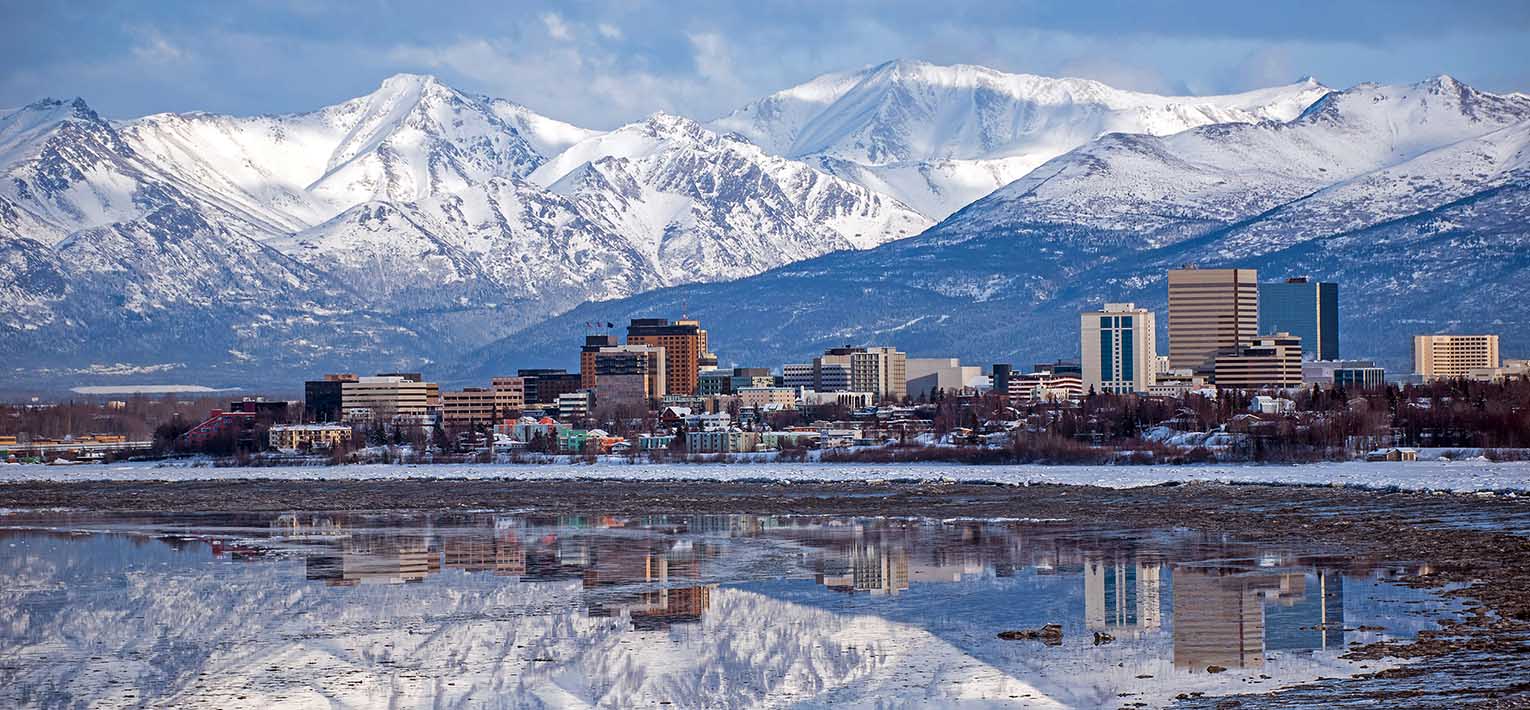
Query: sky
<point x="602" y="63"/>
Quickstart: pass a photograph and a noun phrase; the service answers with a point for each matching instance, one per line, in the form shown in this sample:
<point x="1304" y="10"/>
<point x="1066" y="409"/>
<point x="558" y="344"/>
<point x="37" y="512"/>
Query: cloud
<point x="608" y="30"/>
<point x="155" y="49"/>
<point x="556" y="27"/>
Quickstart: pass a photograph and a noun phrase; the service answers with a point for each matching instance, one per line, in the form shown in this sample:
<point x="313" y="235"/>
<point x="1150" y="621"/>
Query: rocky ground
<point x="1477" y="546"/>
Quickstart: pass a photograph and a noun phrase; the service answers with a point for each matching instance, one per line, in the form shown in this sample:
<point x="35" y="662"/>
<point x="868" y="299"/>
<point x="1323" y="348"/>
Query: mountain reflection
<point x="699" y="610"/>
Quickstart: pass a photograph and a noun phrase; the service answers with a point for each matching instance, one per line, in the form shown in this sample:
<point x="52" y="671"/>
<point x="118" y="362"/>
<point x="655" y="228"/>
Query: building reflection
<point x="1123" y="596"/>
<point x="657" y="571"/>
<point x="1232" y="617"/>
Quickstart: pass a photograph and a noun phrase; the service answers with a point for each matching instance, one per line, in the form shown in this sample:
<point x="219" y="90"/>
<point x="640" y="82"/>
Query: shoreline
<point x="1507" y="478"/>
<point x="1478" y="547"/>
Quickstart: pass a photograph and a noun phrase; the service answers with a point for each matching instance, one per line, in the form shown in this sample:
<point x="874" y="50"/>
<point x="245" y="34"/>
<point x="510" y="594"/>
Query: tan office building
<point x="509" y="395"/>
<point x="1210" y="310"/>
<point x="385" y="396"/>
<point x="467" y="407"/>
<point x="1436" y="356"/>
<point x="1119" y="349"/>
<point x="1268" y="361"/>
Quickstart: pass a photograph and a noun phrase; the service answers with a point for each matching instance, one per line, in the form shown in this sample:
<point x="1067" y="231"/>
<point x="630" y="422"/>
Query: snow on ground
<point x="1462" y="476"/>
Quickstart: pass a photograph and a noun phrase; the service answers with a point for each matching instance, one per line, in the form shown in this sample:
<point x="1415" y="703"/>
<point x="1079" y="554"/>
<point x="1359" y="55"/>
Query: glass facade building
<point x="1306" y="309"/>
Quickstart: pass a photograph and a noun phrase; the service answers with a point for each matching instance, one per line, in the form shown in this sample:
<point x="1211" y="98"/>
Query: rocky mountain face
<point x="940" y="137"/>
<point x="1413" y="197"/>
<point x="419" y="226"/>
<point x="397" y="227"/>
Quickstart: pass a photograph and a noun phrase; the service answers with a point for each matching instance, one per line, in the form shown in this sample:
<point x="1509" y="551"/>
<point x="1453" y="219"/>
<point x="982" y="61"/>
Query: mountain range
<point x="949" y="210"/>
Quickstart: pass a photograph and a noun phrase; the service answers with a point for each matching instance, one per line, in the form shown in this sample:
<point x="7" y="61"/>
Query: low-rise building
<point x="1271" y="405"/>
<point x="574" y="406"/>
<point x="217" y="425"/>
<point x="387" y="395"/>
<point x="296" y="437"/>
<point x="926" y="375"/>
<point x="767" y="398"/>
<point x="468" y="407"/>
<point x="1058" y="386"/>
<point x="728" y="441"/>
<point x="1267" y="361"/>
<point x="1512" y="369"/>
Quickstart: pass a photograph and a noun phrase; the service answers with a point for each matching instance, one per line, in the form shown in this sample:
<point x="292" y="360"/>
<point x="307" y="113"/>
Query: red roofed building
<point x="218" y="424"/>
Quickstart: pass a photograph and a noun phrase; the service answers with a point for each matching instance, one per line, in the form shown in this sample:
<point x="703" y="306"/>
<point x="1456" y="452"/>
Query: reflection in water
<point x="532" y="610"/>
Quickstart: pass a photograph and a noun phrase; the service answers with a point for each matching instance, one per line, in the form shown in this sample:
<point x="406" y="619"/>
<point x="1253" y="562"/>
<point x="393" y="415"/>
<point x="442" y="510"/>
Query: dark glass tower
<point x="1305" y="308"/>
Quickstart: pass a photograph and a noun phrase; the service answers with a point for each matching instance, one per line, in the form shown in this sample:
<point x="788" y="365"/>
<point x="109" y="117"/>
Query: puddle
<point x="517" y="610"/>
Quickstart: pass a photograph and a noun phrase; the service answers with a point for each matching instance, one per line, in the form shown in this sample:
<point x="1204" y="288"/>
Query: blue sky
<point x="605" y="62"/>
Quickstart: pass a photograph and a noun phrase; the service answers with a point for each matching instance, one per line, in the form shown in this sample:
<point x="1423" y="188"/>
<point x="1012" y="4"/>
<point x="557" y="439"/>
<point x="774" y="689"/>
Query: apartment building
<point x="767" y="398"/>
<point x="293" y="437"/>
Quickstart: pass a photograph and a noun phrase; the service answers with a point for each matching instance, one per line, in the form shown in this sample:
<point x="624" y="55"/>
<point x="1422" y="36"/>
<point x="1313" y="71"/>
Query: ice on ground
<point x="1458" y="476"/>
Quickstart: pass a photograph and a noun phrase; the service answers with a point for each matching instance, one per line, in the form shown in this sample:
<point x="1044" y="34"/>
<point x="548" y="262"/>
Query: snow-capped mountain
<point x="411" y="206"/>
<point x="940" y="137"/>
<point x="1414" y="197"/>
<point x="418" y="223"/>
<point x="701" y="206"/>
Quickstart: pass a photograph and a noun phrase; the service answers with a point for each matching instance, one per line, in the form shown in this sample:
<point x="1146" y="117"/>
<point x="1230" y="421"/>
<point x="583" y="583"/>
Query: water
<point x="525" y="610"/>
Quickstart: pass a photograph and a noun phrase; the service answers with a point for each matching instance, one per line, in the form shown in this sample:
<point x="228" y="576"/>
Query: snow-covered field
<point x="1464" y="476"/>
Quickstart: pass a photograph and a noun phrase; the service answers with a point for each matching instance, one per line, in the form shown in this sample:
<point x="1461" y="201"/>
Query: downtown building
<point x="1120" y="349"/>
<point x="1306" y="309"/>
<point x="1443" y="356"/>
<point x="323" y="400"/>
<point x="384" y="396"/>
<point x="1269" y="361"/>
<point x="882" y="371"/>
<point x="685" y="350"/>
<point x="1210" y="311"/>
<point x="949" y="375"/>
<point x="630" y="375"/>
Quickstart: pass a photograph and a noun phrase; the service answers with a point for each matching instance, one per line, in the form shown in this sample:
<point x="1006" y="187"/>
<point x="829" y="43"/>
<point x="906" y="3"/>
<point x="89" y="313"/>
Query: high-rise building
<point x="1268" y="361"/>
<point x="592" y="345"/>
<point x="322" y="399"/>
<point x="685" y="347"/>
<point x="1437" y="356"/>
<point x="1210" y="310"/>
<point x="1001" y="372"/>
<point x="1306" y="309"/>
<point x="1120" y="349"/>
<point x="630" y="375"/>
<point x="385" y="395"/>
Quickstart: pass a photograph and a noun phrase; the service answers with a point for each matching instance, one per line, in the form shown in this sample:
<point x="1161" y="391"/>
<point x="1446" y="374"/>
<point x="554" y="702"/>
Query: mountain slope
<point x="939" y="137"/>
<point x="408" y="213"/>
<point x="701" y="206"/>
<point x="1413" y="197"/>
